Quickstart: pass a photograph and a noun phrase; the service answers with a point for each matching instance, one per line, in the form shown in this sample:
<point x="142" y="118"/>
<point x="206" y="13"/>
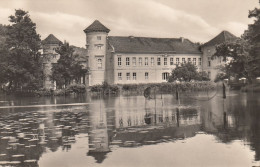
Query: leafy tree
<point x="67" y="68"/>
<point x="187" y="72"/>
<point x="20" y="56"/>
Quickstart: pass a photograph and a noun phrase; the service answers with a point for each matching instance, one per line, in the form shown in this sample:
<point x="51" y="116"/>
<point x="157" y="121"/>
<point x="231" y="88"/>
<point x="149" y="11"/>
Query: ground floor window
<point x="171" y="61"/>
<point x="134" y="75"/>
<point x="99" y="63"/>
<point x="128" y="76"/>
<point x="119" y="76"/>
<point x="165" y="75"/>
<point x="146" y="75"/>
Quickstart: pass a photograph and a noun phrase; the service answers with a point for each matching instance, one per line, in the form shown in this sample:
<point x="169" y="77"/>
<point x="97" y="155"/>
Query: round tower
<point x="96" y="45"/>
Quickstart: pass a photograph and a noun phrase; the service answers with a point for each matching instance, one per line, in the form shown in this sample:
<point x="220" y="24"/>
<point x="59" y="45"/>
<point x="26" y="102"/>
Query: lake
<point x="121" y="131"/>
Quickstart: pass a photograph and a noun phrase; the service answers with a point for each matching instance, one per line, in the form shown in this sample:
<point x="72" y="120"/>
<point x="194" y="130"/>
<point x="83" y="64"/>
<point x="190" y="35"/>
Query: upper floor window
<point x="127" y="61"/>
<point x="152" y="61"/>
<point x="134" y="75"/>
<point x="99" y="63"/>
<point x="134" y="61"/>
<point x="128" y="76"/>
<point x="209" y="61"/>
<point x="98" y="37"/>
<point x="119" y="76"/>
<point x="119" y="61"/>
<point x="183" y="60"/>
<point x="194" y="61"/>
<point x="146" y="61"/>
<point x="158" y="61"/>
<point x="146" y="75"/>
<point x="199" y="61"/>
<point x="140" y="61"/>
<point x="171" y="61"/>
<point x="165" y="61"/>
<point x="177" y="60"/>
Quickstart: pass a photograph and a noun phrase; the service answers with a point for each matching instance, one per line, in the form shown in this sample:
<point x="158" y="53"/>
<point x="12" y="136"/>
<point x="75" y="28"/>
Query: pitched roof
<point x="51" y="39"/>
<point x="96" y="26"/>
<point x="152" y="45"/>
<point x="82" y="52"/>
<point x="224" y="36"/>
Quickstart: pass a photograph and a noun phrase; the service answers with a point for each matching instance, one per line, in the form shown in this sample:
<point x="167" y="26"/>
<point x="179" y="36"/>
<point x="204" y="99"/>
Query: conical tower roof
<point x="51" y="39"/>
<point x="96" y="26"/>
<point x="224" y="36"/>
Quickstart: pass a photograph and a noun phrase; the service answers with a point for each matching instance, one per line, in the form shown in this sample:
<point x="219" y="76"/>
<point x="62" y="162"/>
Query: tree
<point x="20" y="56"/>
<point x="187" y="72"/>
<point x="67" y="68"/>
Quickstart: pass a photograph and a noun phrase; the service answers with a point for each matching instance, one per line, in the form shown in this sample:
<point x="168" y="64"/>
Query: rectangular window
<point x="128" y="76"/>
<point x="199" y="61"/>
<point x="119" y="61"/>
<point x="152" y="61"/>
<point x="127" y="61"/>
<point x="177" y="60"/>
<point x="189" y="60"/>
<point x="134" y="75"/>
<point x="171" y="61"/>
<point x="165" y="61"/>
<point x="146" y="61"/>
<point x="183" y="60"/>
<point x="165" y="75"/>
<point x="98" y="37"/>
<point x="158" y="61"/>
<point x="99" y="47"/>
<point x="134" y="61"/>
<point x="119" y="76"/>
<point x="99" y="63"/>
<point x="194" y="61"/>
<point x="140" y="61"/>
<point x="209" y="61"/>
<point x="146" y="75"/>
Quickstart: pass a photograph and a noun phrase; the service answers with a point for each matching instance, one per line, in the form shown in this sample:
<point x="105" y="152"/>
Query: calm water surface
<point x="131" y="131"/>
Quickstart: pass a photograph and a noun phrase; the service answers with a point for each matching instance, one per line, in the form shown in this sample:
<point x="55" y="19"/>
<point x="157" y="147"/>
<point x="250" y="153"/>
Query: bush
<point x="75" y="88"/>
<point x="105" y="88"/>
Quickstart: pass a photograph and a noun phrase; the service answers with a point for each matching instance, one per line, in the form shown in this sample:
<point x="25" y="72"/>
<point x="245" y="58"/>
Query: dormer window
<point x="98" y="37"/>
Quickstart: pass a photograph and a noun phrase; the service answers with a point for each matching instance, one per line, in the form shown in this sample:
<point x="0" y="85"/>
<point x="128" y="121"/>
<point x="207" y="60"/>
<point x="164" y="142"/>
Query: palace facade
<point x="130" y="60"/>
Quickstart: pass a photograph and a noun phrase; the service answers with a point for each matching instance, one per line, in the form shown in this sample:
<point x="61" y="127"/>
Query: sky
<point x="197" y="20"/>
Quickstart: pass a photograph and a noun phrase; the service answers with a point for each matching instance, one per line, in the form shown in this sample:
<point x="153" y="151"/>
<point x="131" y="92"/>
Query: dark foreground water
<point x="131" y="131"/>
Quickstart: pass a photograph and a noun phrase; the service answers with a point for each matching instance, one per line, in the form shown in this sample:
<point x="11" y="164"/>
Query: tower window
<point x="134" y="61"/>
<point x="99" y="63"/>
<point x="158" y="61"/>
<point x="171" y="61"/>
<point x="146" y="61"/>
<point x="134" y="75"/>
<point x="209" y="61"/>
<point x="119" y="61"/>
<point x="165" y="61"/>
<point x="127" y="60"/>
<point x="98" y="37"/>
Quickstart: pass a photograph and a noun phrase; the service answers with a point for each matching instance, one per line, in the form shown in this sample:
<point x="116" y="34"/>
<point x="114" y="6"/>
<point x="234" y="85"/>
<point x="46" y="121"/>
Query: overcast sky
<point x="197" y="20"/>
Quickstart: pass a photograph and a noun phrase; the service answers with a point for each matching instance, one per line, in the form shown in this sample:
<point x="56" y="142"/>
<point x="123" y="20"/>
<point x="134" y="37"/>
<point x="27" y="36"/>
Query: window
<point x="119" y="76"/>
<point x="209" y="74"/>
<point x="128" y="76"/>
<point x="146" y="61"/>
<point x="177" y="60"/>
<point x="134" y="75"/>
<point x="127" y="61"/>
<point x="119" y="61"/>
<point x="99" y="63"/>
<point x="99" y="47"/>
<point x="140" y="61"/>
<point x="189" y="60"/>
<point x="183" y="60"/>
<point x="171" y="61"/>
<point x="165" y="61"/>
<point x="98" y="37"/>
<point x="194" y="61"/>
<point x="134" y="61"/>
<point x="165" y="76"/>
<point x="209" y="61"/>
<point x="199" y="61"/>
<point x="152" y="61"/>
<point x="158" y="61"/>
<point x="146" y="75"/>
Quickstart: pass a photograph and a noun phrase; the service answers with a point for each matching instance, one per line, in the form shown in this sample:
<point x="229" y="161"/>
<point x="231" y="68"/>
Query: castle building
<point x="133" y="60"/>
